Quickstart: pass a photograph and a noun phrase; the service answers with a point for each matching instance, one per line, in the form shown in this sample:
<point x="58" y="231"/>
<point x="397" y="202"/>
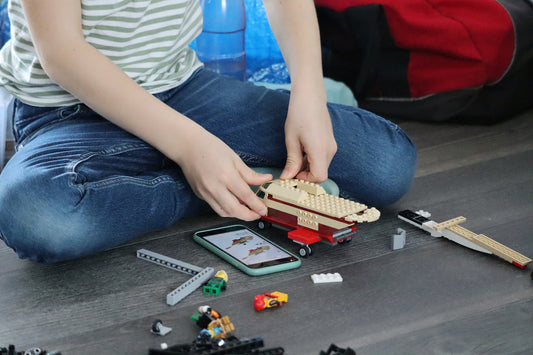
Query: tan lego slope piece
<point x="483" y="241"/>
<point x="312" y="196"/>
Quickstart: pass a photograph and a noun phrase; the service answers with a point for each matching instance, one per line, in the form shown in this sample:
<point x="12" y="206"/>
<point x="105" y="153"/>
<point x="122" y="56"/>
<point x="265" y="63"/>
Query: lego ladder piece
<point x="188" y="287"/>
<point x="168" y="262"/>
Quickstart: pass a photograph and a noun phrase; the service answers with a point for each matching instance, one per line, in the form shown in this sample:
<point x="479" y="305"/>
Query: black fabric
<point x="358" y="50"/>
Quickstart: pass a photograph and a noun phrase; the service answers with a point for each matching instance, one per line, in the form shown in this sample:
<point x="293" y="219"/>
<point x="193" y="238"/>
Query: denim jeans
<point x="79" y="184"/>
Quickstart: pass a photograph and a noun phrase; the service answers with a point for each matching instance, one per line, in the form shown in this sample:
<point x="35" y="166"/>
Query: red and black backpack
<point x="433" y="60"/>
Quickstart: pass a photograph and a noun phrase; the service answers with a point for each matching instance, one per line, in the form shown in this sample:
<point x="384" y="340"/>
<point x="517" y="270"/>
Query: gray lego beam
<point x="188" y="287"/>
<point x="168" y="262"/>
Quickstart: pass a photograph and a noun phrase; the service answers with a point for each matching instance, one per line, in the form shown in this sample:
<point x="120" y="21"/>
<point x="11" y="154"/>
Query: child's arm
<point x="308" y="127"/>
<point x="214" y="171"/>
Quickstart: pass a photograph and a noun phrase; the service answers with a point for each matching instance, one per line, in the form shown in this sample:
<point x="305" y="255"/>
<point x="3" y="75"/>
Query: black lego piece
<point x="335" y="350"/>
<point x="10" y="350"/>
<point x="413" y="216"/>
<point x="208" y="346"/>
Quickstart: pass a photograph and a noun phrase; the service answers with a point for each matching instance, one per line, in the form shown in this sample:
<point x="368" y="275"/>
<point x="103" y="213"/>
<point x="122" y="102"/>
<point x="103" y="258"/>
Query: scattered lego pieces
<point x="212" y="324"/>
<point x="270" y="300"/>
<point x="326" y="278"/>
<point x="10" y="350"/>
<point x="398" y="240"/>
<point x="159" y="329"/>
<point x="215" y="338"/>
<point x="205" y="345"/>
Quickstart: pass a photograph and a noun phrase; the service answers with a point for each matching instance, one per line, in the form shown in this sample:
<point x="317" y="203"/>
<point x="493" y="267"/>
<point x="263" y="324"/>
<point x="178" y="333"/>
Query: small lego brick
<point x="423" y="213"/>
<point x="159" y="329"/>
<point x="398" y="240"/>
<point x="326" y="278"/>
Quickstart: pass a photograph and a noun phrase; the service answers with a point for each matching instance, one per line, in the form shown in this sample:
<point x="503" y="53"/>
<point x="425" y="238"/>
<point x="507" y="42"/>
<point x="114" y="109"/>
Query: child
<point x="120" y="131"/>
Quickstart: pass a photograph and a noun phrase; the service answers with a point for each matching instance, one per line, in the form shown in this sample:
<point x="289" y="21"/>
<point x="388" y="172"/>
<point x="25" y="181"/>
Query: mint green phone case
<point x="239" y="265"/>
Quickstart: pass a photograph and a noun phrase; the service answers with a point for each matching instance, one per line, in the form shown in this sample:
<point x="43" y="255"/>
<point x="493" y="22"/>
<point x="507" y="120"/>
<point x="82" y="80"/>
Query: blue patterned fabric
<point x="4" y="23"/>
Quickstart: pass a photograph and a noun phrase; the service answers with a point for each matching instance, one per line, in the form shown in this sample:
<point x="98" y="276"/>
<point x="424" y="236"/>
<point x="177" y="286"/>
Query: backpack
<point x="432" y="60"/>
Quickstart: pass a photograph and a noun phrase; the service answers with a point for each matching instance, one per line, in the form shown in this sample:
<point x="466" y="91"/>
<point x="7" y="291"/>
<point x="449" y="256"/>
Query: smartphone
<point x="247" y="250"/>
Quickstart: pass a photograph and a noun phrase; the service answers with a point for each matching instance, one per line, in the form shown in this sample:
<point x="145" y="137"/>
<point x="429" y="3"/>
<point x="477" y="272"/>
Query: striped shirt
<point x="148" y="39"/>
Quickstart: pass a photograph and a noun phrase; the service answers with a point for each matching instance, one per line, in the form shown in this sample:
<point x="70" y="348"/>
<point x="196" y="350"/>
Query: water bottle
<point x="221" y="45"/>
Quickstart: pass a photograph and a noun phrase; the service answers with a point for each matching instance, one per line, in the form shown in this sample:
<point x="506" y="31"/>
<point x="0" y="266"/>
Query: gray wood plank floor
<point x="432" y="297"/>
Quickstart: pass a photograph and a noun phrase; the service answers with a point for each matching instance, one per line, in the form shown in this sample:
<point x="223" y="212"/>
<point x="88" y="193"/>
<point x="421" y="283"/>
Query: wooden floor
<point x="432" y="297"/>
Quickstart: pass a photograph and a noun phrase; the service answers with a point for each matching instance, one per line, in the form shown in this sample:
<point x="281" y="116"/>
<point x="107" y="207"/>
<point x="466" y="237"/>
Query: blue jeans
<point x="79" y="184"/>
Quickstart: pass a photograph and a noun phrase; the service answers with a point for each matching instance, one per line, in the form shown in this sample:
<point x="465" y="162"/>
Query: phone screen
<point x="246" y="246"/>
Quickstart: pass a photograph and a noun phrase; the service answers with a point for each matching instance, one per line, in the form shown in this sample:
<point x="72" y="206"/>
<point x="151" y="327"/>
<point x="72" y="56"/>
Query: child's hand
<point x="218" y="176"/>
<point x="309" y="139"/>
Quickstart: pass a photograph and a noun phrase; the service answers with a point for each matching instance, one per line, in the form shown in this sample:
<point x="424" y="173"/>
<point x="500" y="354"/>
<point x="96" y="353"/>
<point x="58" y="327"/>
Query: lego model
<point x="216" y="284"/>
<point x="451" y="230"/>
<point x="270" y="300"/>
<point x="199" y="275"/>
<point x="310" y="213"/>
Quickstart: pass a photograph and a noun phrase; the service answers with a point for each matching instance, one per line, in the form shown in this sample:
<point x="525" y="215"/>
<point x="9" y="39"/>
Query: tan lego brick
<point x="449" y="223"/>
<point x="501" y="250"/>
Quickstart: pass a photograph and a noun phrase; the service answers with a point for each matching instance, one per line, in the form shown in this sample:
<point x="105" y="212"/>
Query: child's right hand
<point x="219" y="176"/>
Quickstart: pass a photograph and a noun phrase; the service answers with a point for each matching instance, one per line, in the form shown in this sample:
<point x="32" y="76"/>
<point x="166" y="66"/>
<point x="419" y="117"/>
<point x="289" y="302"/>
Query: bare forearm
<point x="86" y="73"/>
<point x="103" y="86"/>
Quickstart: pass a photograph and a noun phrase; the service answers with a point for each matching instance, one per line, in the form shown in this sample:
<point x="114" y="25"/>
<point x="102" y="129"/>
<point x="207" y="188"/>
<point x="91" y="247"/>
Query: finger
<point x="252" y="177"/>
<point x="226" y="204"/>
<point x="318" y="163"/>
<point x="244" y="193"/>
<point x="294" y="160"/>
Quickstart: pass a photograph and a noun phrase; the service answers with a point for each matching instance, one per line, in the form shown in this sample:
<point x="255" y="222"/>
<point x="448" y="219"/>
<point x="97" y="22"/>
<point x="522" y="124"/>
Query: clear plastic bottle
<point x="221" y="45"/>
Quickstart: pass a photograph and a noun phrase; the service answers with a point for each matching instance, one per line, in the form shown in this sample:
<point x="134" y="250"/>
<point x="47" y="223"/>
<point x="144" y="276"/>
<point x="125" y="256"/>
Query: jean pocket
<point x="30" y="120"/>
<point x="132" y="162"/>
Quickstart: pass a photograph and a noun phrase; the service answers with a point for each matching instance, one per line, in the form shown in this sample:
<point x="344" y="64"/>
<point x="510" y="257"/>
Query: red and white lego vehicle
<point x="310" y="213"/>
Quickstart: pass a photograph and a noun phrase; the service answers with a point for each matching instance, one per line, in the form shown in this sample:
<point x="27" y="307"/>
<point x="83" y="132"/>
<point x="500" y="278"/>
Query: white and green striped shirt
<point x="148" y="39"/>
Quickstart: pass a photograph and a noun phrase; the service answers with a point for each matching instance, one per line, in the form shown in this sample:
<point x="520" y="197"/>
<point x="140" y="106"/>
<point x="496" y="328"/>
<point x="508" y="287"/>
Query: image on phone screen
<point x="246" y="246"/>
